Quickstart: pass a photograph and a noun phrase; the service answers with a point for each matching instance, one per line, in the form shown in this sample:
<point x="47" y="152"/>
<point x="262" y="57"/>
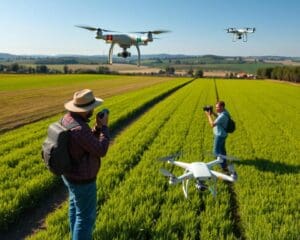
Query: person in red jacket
<point x="86" y="147"/>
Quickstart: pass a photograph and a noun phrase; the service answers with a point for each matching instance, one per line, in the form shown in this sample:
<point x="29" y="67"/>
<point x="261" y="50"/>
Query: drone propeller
<point x="229" y="29"/>
<point x="94" y="29"/>
<point x="170" y="157"/>
<point x="166" y="173"/>
<point x="153" y="32"/>
<point x="227" y="157"/>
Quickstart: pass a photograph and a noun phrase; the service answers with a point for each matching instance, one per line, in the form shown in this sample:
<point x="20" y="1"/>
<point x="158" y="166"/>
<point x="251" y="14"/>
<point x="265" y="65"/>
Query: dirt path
<point x="34" y="218"/>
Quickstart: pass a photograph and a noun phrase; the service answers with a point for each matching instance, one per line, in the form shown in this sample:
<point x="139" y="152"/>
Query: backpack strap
<point x="228" y="119"/>
<point x="227" y="114"/>
<point x="69" y="126"/>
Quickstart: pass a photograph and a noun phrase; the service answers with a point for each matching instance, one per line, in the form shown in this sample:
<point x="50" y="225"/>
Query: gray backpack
<point x="55" y="152"/>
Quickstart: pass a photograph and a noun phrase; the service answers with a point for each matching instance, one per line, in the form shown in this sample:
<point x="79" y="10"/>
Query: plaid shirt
<point x="86" y="147"/>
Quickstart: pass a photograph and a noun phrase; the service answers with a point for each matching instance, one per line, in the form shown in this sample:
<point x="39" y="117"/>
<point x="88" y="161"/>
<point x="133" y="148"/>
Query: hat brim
<point x="73" y="108"/>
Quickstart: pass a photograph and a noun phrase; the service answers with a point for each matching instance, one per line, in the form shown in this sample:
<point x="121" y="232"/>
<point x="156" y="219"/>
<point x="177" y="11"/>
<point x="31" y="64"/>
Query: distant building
<point x="245" y="75"/>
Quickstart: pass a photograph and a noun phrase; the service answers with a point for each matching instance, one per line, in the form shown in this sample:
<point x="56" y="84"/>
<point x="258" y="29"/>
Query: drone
<point x="124" y="40"/>
<point x="241" y="33"/>
<point x="200" y="171"/>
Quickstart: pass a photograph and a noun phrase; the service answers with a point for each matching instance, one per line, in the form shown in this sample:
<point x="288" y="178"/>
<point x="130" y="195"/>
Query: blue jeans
<point x="219" y="148"/>
<point x="82" y="209"/>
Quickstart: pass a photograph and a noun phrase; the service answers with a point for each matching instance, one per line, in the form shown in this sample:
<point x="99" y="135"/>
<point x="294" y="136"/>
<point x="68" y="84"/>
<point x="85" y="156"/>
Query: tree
<point x="66" y="69"/>
<point x="42" y="69"/>
<point x="199" y="73"/>
<point x="190" y="72"/>
<point x="170" y="70"/>
<point x="103" y="70"/>
<point x="15" y="67"/>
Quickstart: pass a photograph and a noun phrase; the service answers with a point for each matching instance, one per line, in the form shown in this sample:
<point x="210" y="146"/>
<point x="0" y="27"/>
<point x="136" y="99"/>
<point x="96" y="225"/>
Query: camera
<point x="208" y="108"/>
<point x="101" y="114"/>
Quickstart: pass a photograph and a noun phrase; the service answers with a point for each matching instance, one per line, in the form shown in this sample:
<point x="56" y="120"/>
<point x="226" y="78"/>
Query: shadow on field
<point x="266" y="165"/>
<point x="33" y="218"/>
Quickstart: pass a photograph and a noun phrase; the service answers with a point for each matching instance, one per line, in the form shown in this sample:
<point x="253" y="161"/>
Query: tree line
<point x="44" y="69"/>
<point x="283" y="73"/>
<point x="17" y="68"/>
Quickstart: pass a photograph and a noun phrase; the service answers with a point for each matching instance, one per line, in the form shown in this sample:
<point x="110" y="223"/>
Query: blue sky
<point x="47" y="27"/>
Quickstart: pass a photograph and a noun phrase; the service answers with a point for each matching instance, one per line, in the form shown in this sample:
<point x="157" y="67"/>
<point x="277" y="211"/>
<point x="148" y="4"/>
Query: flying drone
<point x="241" y="33"/>
<point x="124" y="40"/>
<point x="200" y="171"/>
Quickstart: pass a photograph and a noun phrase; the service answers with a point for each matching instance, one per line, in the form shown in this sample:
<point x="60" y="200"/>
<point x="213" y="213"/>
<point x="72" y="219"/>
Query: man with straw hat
<point x="86" y="147"/>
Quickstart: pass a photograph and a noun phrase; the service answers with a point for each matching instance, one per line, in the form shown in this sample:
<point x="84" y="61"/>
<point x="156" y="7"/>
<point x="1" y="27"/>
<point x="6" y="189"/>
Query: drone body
<point x="197" y="170"/>
<point x="124" y="41"/>
<point x="241" y="33"/>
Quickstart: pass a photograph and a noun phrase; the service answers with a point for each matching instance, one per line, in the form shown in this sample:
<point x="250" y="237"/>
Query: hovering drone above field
<point x="199" y="171"/>
<point x="241" y="33"/>
<point x="124" y="40"/>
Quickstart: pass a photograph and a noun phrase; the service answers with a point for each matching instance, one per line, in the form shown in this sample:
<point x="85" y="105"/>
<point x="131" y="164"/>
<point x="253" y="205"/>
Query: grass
<point x="243" y="67"/>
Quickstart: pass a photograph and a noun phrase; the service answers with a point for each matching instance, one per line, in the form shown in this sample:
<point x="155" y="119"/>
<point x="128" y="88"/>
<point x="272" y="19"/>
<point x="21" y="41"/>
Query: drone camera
<point x="208" y="108"/>
<point x="124" y="54"/>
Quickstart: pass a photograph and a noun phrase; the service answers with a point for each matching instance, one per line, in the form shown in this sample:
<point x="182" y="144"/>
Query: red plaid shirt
<point x="86" y="147"/>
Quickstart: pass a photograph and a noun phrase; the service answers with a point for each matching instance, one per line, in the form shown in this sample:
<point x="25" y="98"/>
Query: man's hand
<point x="209" y="117"/>
<point x="102" y="121"/>
<point x="208" y="113"/>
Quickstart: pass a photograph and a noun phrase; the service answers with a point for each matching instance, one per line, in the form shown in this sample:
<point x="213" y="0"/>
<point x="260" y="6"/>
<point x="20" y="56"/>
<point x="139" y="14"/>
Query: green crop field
<point x="136" y="202"/>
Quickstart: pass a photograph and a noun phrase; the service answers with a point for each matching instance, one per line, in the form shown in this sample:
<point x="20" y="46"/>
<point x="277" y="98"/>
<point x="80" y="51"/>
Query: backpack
<point x="230" y="128"/>
<point x="55" y="152"/>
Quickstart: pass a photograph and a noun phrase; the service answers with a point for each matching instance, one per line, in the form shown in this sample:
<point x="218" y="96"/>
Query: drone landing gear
<point x="110" y="53"/>
<point x="245" y="37"/>
<point x="139" y="55"/>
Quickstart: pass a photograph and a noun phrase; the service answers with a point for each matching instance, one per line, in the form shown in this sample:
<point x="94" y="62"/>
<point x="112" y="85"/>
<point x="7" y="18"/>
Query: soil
<point x="34" y="219"/>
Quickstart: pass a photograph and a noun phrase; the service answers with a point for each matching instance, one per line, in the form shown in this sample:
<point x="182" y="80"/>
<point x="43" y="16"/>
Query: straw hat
<point x="83" y="101"/>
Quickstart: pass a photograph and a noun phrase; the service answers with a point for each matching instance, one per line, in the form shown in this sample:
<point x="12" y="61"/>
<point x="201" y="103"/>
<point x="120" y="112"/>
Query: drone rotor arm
<point x="214" y="162"/>
<point x="181" y="164"/>
<point x="186" y="175"/>
<point x="222" y="176"/>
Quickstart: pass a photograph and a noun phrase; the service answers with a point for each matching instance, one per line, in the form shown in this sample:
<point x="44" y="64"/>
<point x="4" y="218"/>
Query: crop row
<point x="268" y="145"/>
<point x="139" y="207"/>
<point x="136" y="202"/>
<point x="123" y="155"/>
<point x="24" y="179"/>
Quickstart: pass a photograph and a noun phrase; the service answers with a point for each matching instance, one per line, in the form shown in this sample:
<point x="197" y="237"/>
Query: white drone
<point x="124" y="40"/>
<point x="241" y="33"/>
<point x="200" y="171"/>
